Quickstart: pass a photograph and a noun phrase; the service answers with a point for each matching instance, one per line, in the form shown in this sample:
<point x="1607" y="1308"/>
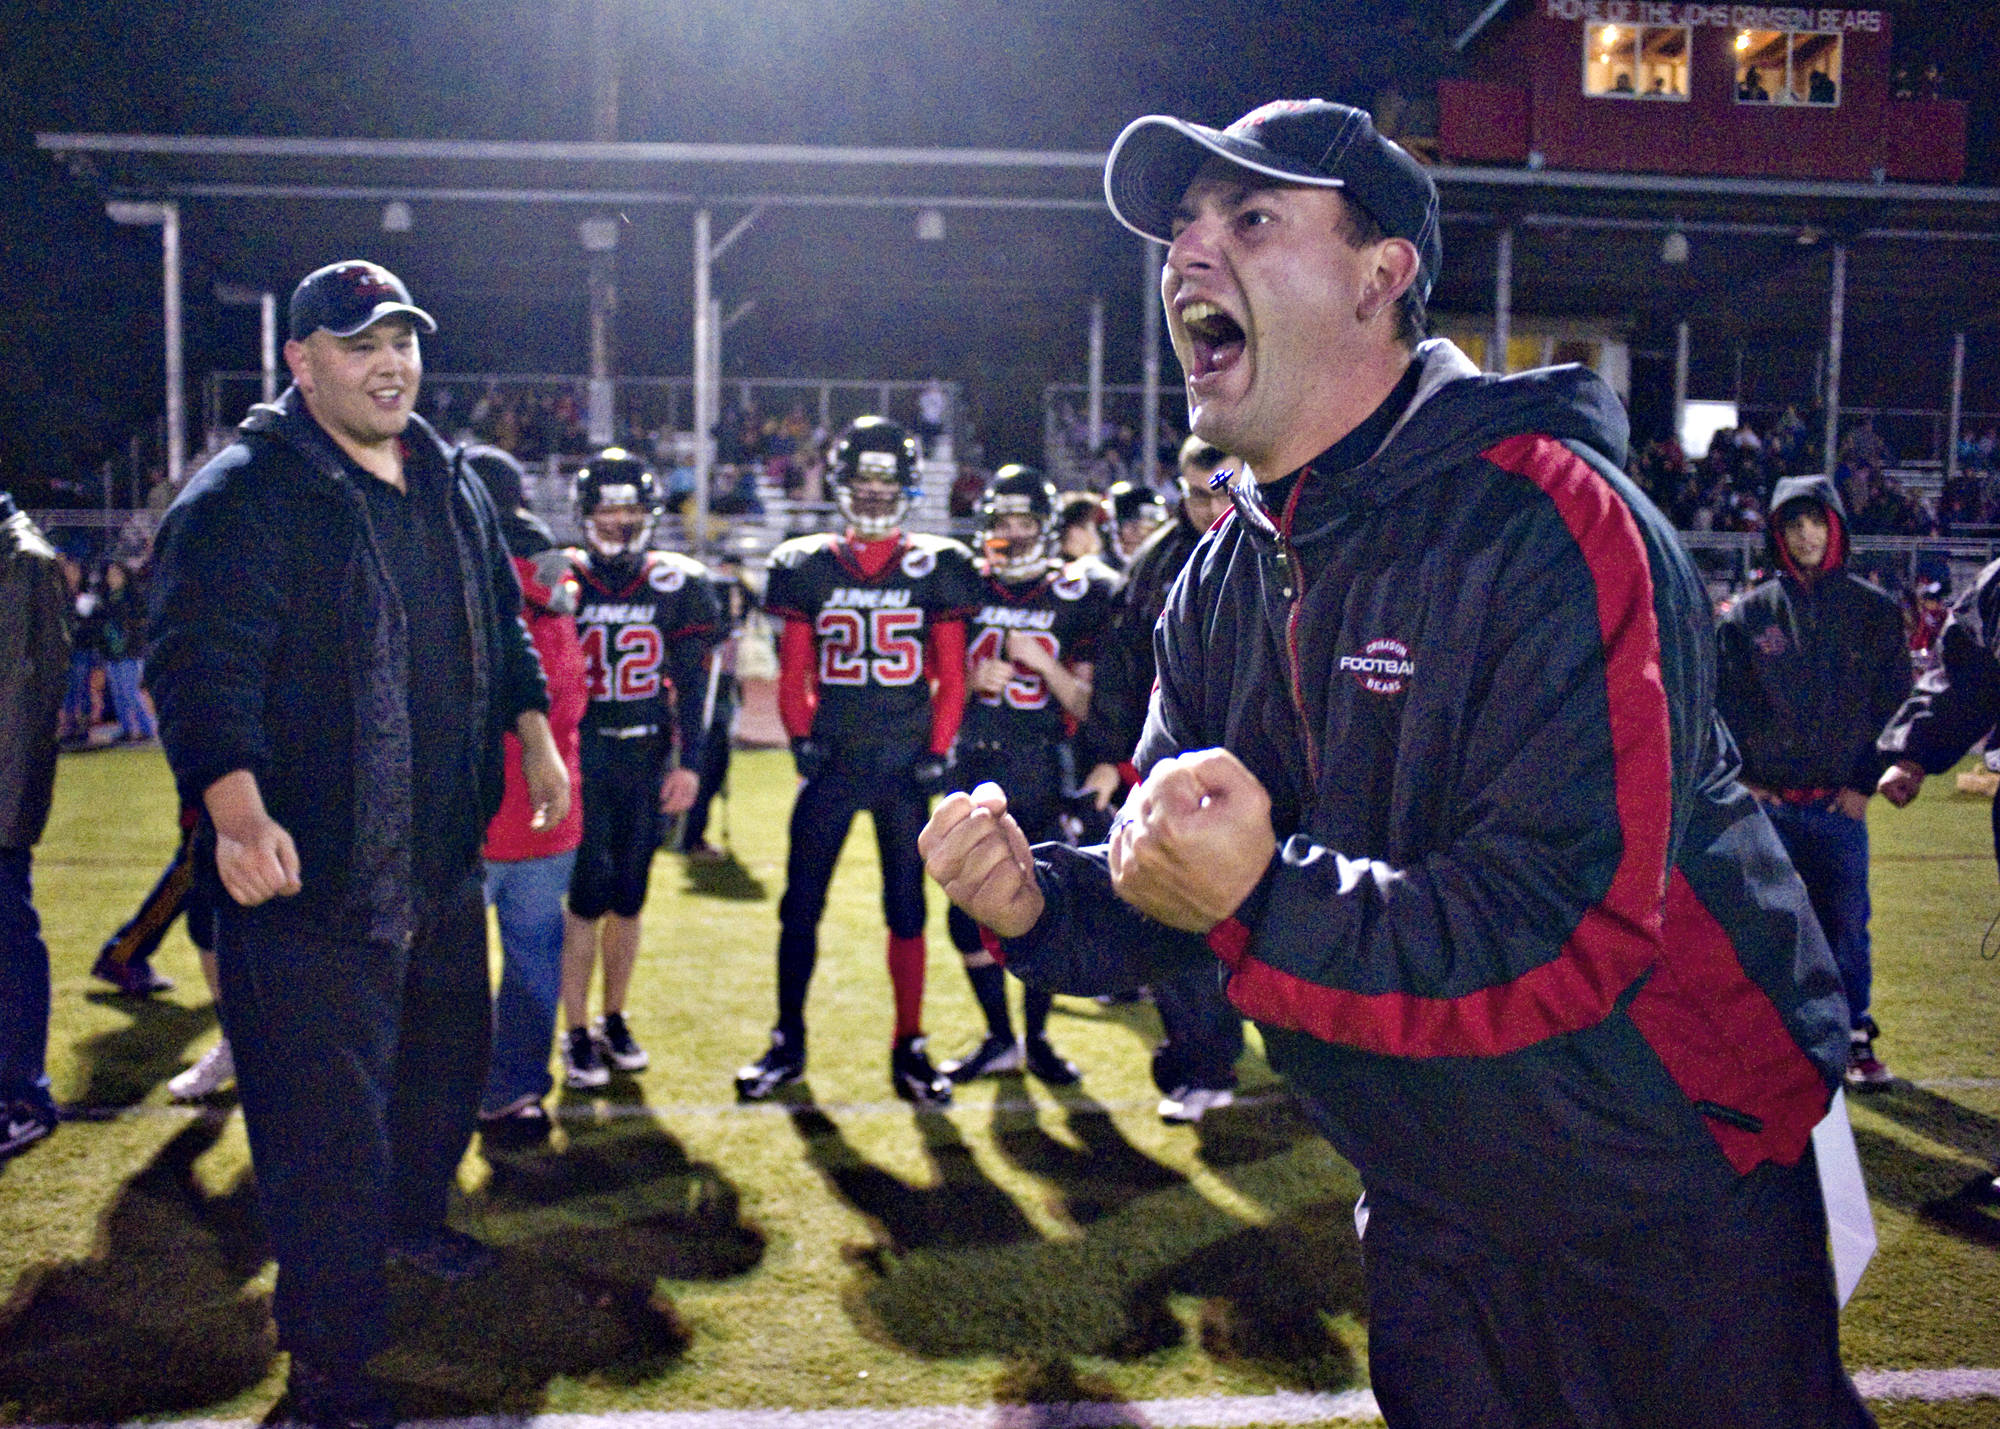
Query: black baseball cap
<point x="347" y="296"/>
<point x="1300" y="141"/>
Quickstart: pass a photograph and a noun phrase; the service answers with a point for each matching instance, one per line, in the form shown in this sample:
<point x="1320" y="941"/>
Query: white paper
<point x="1850" y="1221"/>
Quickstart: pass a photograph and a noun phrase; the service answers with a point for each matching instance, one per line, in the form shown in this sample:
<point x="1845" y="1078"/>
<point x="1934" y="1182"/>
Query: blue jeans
<point x="528" y="897"/>
<point x="24" y="988"/>
<point x="1830" y="852"/>
<point x="123" y="678"/>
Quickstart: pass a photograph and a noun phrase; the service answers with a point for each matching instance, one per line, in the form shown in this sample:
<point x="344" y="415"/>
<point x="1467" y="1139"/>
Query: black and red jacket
<point x="1527" y="945"/>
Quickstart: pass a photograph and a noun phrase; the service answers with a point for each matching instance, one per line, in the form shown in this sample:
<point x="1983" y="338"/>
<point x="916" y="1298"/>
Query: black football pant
<point x="1032" y="779"/>
<point x="1718" y="1314"/>
<point x="622" y="824"/>
<point x="360" y="1066"/>
<point x="820" y="820"/>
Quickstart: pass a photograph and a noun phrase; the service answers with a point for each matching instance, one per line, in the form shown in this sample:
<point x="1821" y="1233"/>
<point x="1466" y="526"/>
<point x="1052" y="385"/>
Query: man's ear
<point x="1395" y="269"/>
<point x="295" y="359"/>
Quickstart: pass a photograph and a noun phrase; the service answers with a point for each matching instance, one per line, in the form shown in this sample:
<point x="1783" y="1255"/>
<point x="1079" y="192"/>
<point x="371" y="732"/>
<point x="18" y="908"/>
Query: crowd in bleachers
<point x="1726" y="489"/>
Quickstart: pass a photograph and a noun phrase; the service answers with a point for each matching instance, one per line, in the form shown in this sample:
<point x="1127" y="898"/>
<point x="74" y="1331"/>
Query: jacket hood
<point x="1791" y="490"/>
<point x="1459" y="411"/>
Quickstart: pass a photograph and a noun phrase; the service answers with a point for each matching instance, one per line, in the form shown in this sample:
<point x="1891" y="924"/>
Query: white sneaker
<point x="1183" y="1106"/>
<point x="215" y="1070"/>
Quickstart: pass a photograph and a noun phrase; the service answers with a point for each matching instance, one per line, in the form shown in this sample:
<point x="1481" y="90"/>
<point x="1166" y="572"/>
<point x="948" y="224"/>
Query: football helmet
<point x="874" y="449"/>
<point x="618" y="497"/>
<point x="1017" y="490"/>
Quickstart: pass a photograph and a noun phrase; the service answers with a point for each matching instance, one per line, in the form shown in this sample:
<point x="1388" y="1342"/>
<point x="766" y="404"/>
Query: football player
<point x="1028" y="684"/>
<point x="871" y="686"/>
<point x="647" y="620"/>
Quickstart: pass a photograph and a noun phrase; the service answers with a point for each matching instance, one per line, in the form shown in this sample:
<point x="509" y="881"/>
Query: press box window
<point x="1787" y="67"/>
<point x="1635" y="61"/>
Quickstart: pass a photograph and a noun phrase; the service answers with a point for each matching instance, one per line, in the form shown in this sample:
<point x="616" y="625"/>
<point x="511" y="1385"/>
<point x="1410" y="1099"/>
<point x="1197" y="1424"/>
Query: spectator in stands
<point x="1622" y="84"/>
<point x="1820" y="89"/>
<point x="1752" y="90"/>
<point x="34" y="661"/>
<point x="933" y="406"/>
<point x="1811" y="666"/>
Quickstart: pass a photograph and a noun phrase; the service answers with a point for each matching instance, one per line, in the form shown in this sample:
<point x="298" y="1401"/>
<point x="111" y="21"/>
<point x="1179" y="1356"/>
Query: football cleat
<point x="1186" y="1105"/>
<point x="913" y="1076"/>
<point x="614" y="1039"/>
<point x="782" y="1062"/>
<point x="995" y="1054"/>
<point x="1050" y="1065"/>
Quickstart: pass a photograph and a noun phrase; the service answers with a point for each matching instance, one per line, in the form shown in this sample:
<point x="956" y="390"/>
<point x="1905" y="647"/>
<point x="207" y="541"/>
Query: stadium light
<point x="168" y="216"/>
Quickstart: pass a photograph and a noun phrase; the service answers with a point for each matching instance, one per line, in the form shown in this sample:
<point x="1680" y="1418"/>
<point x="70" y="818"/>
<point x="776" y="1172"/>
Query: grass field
<point x="675" y="1251"/>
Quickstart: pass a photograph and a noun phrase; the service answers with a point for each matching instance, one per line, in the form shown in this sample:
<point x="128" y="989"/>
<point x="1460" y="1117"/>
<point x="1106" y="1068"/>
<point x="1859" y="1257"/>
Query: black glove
<point x="808" y="757"/>
<point x="928" y="773"/>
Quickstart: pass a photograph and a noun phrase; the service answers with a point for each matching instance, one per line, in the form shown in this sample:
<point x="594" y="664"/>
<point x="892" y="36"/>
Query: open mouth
<point x="1215" y="337"/>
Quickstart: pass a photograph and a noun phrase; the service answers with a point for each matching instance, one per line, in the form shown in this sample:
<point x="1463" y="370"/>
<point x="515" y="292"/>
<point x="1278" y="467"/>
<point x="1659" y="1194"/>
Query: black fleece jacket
<point x="279" y="645"/>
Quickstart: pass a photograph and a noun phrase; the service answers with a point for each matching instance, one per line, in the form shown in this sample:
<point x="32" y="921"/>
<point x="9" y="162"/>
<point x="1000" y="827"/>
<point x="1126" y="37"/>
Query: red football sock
<point x="906" y="977"/>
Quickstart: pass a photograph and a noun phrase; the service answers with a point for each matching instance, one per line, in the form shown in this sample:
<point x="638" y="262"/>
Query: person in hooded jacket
<point x="1810" y="665"/>
<point x="528" y="868"/>
<point x="1433" y="779"/>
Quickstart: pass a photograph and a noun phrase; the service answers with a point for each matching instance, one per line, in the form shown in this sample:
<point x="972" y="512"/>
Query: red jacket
<point x="508" y="837"/>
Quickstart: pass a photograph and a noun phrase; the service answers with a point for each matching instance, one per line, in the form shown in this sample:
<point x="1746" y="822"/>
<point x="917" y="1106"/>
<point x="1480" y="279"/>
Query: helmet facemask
<point x="873" y="499"/>
<point x="1016" y="539"/>
<point x="621" y="527"/>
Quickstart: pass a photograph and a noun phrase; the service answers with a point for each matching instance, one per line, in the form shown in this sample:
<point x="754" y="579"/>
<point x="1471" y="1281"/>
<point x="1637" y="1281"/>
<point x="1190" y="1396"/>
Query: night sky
<point x="81" y="369"/>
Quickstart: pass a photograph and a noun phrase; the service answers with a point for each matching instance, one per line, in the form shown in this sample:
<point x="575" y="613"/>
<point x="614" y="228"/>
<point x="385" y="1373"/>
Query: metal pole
<point x="704" y="380"/>
<point x="601" y="231"/>
<point x="1957" y="402"/>
<point x="1095" y="375"/>
<point x="1681" y="343"/>
<point x="1503" y="300"/>
<point x="170" y="260"/>
<point x="1836" y="318"/>
<point x="267" y="334"/>
<point x="1149" y="363"/>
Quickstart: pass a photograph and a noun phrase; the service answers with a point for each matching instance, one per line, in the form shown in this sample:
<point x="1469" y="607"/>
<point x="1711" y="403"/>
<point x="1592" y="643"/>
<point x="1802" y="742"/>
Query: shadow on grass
<point x="121" y="1066"/>
<point x="157" y="1318"/>
<point x="1942" y="1193"/>
<point x="1935" y="1117"/>
<point x="724" y="878"/>
<point x="627" y="1209"/>
<point x="957" y="1269"/>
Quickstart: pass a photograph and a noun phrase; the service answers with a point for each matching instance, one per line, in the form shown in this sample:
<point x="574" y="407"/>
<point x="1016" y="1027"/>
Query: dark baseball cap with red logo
<point x="1296" y="141"/>
<point x="347" y="296"/>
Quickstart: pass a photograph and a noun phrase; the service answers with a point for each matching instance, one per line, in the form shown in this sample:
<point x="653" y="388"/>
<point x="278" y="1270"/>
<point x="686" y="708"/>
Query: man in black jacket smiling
<point x="1433" y="777"/>
<point x="336" y="650"/>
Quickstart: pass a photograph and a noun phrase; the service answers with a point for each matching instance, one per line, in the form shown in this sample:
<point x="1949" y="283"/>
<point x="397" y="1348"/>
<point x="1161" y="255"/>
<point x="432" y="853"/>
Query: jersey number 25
<point x="858" y="647"/>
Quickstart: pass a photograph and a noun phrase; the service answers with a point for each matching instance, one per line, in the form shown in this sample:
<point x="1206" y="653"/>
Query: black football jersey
<point x="1066" y="610"/>
<point x="646" y="630"/>
<point x="869" y="633"/>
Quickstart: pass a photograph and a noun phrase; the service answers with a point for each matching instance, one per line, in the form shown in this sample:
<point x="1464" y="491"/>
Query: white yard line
<point x="1354" y="1406"/>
